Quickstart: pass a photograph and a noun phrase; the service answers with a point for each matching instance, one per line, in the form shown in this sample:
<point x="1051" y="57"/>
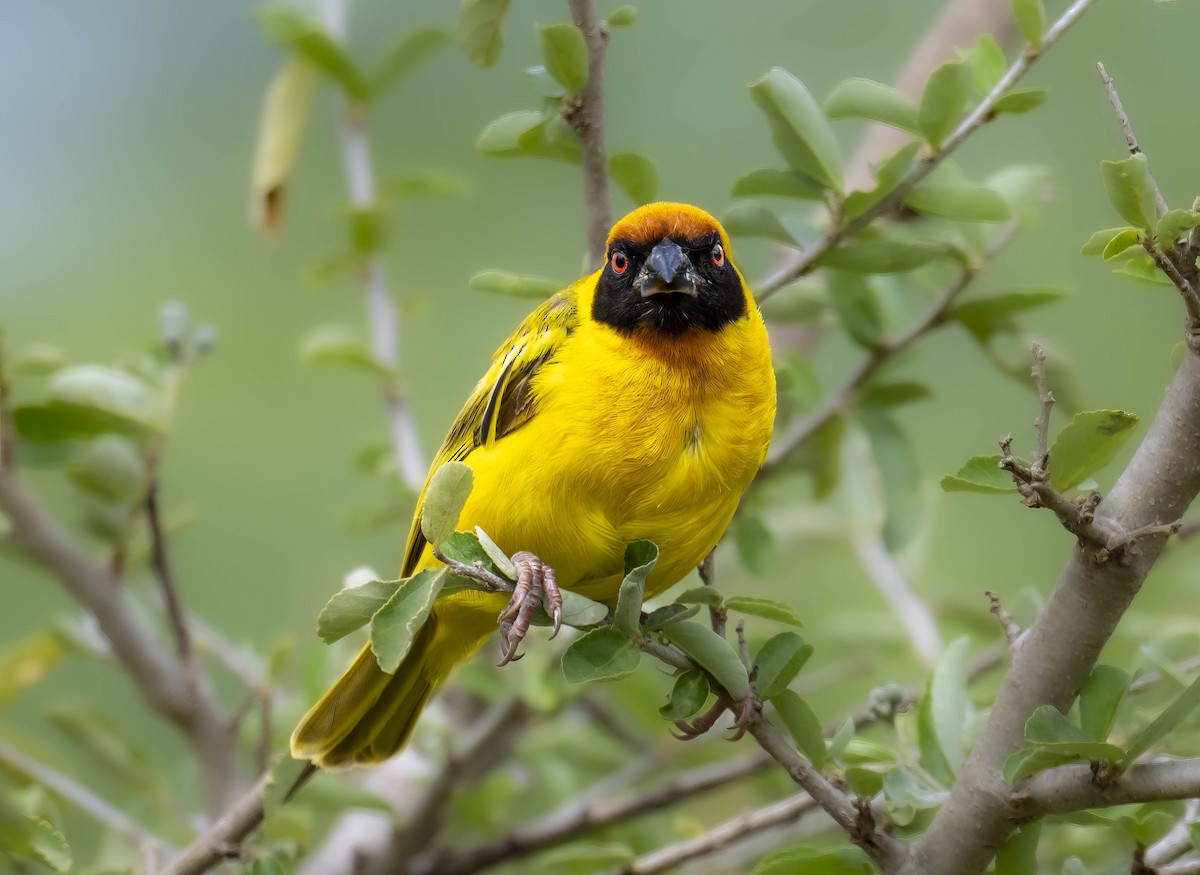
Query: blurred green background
<point x="127" y="134"/>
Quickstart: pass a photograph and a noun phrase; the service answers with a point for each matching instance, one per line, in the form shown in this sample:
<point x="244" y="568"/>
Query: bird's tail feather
<point x="367" y="715"/>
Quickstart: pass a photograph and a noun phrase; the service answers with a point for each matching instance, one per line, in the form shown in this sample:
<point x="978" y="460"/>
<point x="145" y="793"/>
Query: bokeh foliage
<point x="277" y="476"/>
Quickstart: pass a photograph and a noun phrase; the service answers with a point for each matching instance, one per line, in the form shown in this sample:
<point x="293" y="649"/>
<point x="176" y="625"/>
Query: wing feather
<point x="502" y="401"/>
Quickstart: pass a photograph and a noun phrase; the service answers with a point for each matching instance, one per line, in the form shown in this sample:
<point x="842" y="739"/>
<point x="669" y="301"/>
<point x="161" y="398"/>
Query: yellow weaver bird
<point x="636" y="403"/>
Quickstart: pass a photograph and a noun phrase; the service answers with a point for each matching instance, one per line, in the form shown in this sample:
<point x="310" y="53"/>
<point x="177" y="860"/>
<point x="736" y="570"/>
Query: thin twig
<point x="979" y="116"/>
<point x="383" y="319"/>
<point x="1131" y="142"/>
<point x="707" y="569"/>
<point x="166" y="579"/>
<point x="893" y="585"/>
<point x="586" y="117"/>
<point x="77" y="795"/>
<point x="1041" y="425"/>
<point x="1012" y="629"/>
<point x="776" y="814"/>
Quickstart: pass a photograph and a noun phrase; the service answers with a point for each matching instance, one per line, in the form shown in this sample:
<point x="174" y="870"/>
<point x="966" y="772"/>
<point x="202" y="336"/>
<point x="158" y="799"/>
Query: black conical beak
<point x="667" y="269"/>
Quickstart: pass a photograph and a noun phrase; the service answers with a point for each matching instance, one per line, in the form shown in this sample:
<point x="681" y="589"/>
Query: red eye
<point x="718" y="255"/>
<point x="619" y="262"/>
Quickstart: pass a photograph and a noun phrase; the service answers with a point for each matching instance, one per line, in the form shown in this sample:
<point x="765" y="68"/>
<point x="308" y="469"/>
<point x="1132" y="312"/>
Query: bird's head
<point x="668" y="270"/>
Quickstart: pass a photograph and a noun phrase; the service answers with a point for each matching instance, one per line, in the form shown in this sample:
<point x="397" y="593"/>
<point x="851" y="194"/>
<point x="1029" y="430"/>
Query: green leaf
<point x="857" y="308"/>
<point x="881" y="255"/>
<point x="445" y="497"/>
<point x="636" y="174"/>
<point x="600" y="655"/>
<point x="499" y="558"/>
<point x="887" y="176"/>
<point x="666" y="615"/>
<point x="113" y="393"/>
<point x="983" y="317"/>
<point x="899" y="471"/>
<point x="1172" y="224"/>
<point x="342" y="346"/>
<point x="803" y="724"/>
<point x="755" y="543"/>
<point x="503" y="283"/>
<point x="865" y="98"/>
<point x="530" y="134"/>
<point x="478" y="30"/>
<point x="755" y="220"/>
<point x="1048" y="728"/>
<point x="1130" y="190"/>
<point x="1018" y="856"/>
<point x="712" y="653"/>
<point x="111" y="467"/>
<point x="700" y="595"/>
<point x="1141" y="267"/>
<point x="1031" y="19"/>
<point x="427" y="182"/>
<point x="798" y="127"/>
<point x="580" y="611"/>
<point x="281" y="127"/>
<point x="622" y="16"/>
<point x="405" y="56"/>
<point x="963" y="202"/>
<point x="1020" y="100"/>
<point x="767" y="609"/>
<point x="353" y="607"/>
<point x="813" y="861"/>
<point x="894" y="394"/>
<point x="292" y="29"/>
<point x="943" y="101"/>
<point x="1087" y="444"/>
<point x="586" y="857"/>
<point x="942" y="714"/>
<point x="395" y="625"/>
<point x="779" y="660"/>
<point x="687" y="696"/>
<point x="565" y="55"/>
<point x="1122" y="241"/>
<point x="1029" y="760"/>
<point x="1165" y="722"/>
<point x="770" y="182"/>
<point x="841" y="738"/>
<point x="980" y="474"/>
<point x="26" y="661"/>
<point x="1098" y="242"/>
<point x="987" y="63"/>
<point x="640" y="559"/>
<point x="1099" y="699"/>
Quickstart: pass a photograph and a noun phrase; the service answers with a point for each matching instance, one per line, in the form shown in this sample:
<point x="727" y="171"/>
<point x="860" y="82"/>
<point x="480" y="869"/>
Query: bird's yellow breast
<point x="636" y="436"/>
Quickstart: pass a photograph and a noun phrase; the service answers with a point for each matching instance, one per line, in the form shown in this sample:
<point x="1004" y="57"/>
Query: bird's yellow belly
<point x="660" y="463"/>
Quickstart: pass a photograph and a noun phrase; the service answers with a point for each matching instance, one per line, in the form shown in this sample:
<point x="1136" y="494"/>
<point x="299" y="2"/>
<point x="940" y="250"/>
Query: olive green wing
<point x="502" y="401"/>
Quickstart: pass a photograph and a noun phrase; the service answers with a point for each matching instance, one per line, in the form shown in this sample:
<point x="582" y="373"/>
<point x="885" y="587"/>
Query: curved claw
<point x="536" y="583"/>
